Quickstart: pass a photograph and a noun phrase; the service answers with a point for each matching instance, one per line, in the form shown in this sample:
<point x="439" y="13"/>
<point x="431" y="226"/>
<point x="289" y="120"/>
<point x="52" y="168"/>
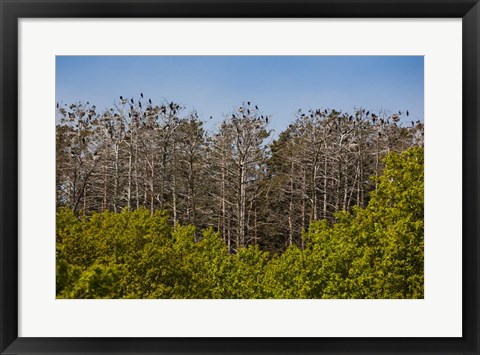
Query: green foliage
<point x="376" y="252"/>
<point x="373" y="252"/>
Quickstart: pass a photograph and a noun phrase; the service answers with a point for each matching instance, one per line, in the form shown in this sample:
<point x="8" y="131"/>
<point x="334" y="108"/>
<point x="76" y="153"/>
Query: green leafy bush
<point x="375" y="252"/>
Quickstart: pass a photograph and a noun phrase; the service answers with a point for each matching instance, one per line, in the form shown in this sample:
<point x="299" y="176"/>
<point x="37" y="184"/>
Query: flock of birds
<point x="80" y="111"/>
<point x="359" y="115"/>
<point x="245" y="110"/>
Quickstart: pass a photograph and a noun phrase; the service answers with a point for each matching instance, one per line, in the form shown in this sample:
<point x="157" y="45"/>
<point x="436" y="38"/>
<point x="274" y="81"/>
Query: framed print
<point x="258" y="177"/>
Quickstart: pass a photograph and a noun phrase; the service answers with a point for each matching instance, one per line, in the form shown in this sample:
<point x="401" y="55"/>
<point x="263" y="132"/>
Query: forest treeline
<point x="374" y="251"/>
<point x="250" y="188"/>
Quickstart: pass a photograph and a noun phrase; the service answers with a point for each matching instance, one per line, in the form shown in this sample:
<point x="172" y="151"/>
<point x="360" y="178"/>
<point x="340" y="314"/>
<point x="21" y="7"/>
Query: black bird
<point x="140" y="104"/>
<point x="325" y="111"/>
<point x="266" y="119"/>
<point x="368" y="112"/>
<point x="256" y="107"/>
<point x="248" y="103"/>
<point x="211" y="117"/>
<point x="408" y="113"/>
<point x="121" y="98"/>
<point x="350" y="118"/>
<point x="413" y="123"/>
<point x="141" y="95"/>
<point x="131" y="100"/>
<point x="57" y="105"/>
<point x="150" y="101"/>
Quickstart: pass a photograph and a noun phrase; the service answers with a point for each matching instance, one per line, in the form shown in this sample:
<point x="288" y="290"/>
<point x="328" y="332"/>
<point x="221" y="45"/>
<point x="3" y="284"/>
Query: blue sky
<point x="279" y="85"/>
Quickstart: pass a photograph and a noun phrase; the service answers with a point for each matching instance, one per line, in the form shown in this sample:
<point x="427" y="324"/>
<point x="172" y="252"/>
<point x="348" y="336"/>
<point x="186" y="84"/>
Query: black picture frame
<point x="11" y="11"/>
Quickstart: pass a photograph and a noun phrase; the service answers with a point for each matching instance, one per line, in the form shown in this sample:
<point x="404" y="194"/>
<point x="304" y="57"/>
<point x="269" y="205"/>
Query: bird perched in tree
<point x="131" y="100"/>
<point x="248" y="103"/>
<point x="256" y="107"/>
<point x="408" y="113"/>
<point x="141" y="95"/>
<point x="150" y="101"/>
<point x="121" y="98"/>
